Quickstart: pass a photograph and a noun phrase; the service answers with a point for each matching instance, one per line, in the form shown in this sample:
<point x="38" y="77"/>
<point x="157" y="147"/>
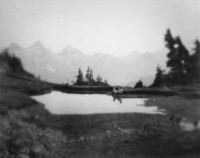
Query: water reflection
<point x="117" y="99"/>
<point x="188" y="125"/>
<point x="63" y="103"/>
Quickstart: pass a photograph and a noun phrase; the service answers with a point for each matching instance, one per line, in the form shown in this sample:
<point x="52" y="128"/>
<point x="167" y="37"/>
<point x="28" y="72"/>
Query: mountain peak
<point x="14" y="45"/>
<point x="39" y="49"/>
<point x="37" y="44"/>
<point x="133" y="54"/>
<point x="71" y="50"/>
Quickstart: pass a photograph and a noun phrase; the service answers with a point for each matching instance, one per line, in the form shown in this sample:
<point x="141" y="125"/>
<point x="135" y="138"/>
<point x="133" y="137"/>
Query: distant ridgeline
<point x="11" y="64"/>
<point x="89" y="80"/>
<point x="184" y="67"/>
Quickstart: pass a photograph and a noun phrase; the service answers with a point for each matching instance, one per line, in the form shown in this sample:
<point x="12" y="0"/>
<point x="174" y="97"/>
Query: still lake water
<point x="65" y="103"/>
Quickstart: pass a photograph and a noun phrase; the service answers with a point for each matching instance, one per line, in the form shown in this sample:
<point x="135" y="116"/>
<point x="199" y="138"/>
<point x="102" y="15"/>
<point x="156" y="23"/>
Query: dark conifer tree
<point x="87" y="76"/>
<point x="139" y="84"/>
<point x="90" y="81"/>
<point x="91" y="75"/>
<point x="158" y="81"/>
<point x="178" y="59"/>
<point x="170" y="44"/>
<point x="80" y="79"/>
<point x="182" y="64"/>
<point x="99" y="80"/>
<point x="197" y="60"/>
<point x="16" y="64"/>
<point x="194" y="68"/>
<point x="105" y="82"/>
<point x="171" y="62"/>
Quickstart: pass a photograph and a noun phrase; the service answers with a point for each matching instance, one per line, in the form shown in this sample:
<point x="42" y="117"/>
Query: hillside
<point x="13" y="76"/>
<point x="11" y="64"/>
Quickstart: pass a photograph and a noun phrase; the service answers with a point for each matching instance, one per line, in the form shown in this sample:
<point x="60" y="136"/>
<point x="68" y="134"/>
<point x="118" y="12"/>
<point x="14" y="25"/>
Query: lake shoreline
<point x="109" y="90"/>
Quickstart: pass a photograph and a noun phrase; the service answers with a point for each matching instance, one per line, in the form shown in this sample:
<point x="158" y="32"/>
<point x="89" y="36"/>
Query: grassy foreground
<point x="27" y="130"/>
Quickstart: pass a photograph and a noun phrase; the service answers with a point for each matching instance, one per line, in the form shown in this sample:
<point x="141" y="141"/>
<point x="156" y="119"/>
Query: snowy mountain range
<point x="62" y="67"/>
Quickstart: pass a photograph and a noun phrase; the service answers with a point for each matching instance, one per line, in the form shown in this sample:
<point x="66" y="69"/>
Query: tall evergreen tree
<point x="80" y="79"/>
<point x="158" y="81"/>
<point x="182" y="64"/>
<point x="197" y="60"/>
<point x="194" y="68"/>
<point x="105" y="82"/>
<point x="91" y="74"/>
<point x="170" y="44"/>
<point x="197" y="50"/>
<point x="178" y="59"/>
<point x="171" y="62"/>
<point x="99" y="79"/>
<point x="87" y="76"/>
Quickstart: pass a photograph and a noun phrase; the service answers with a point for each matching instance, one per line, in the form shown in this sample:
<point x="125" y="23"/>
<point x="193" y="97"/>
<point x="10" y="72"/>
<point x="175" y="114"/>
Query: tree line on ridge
<point x="183" y="66"/>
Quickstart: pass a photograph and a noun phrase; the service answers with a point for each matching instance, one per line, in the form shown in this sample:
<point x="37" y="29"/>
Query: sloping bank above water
<point x="109" y="90"/>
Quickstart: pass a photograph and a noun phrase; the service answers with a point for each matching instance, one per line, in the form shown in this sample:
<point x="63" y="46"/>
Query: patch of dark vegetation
<point x="183" y="65"/>
<point x="83" y="89"/>
<point x="89" y="80"/>
<point x="11" y="64"/>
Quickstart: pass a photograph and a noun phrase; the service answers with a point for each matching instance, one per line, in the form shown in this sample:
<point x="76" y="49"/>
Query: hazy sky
<point x="109" y="26"/>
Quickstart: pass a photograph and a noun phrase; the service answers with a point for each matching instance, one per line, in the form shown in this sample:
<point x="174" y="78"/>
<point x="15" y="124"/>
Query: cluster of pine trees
<point x="89" y="79"/>
<point x="184" y="67"/>
<point x="12" y="64"/>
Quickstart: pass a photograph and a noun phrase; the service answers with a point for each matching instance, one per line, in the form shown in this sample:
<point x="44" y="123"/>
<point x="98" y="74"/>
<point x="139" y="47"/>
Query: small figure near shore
<point x="114" y="91"/>
<point x="117" y="90"/>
